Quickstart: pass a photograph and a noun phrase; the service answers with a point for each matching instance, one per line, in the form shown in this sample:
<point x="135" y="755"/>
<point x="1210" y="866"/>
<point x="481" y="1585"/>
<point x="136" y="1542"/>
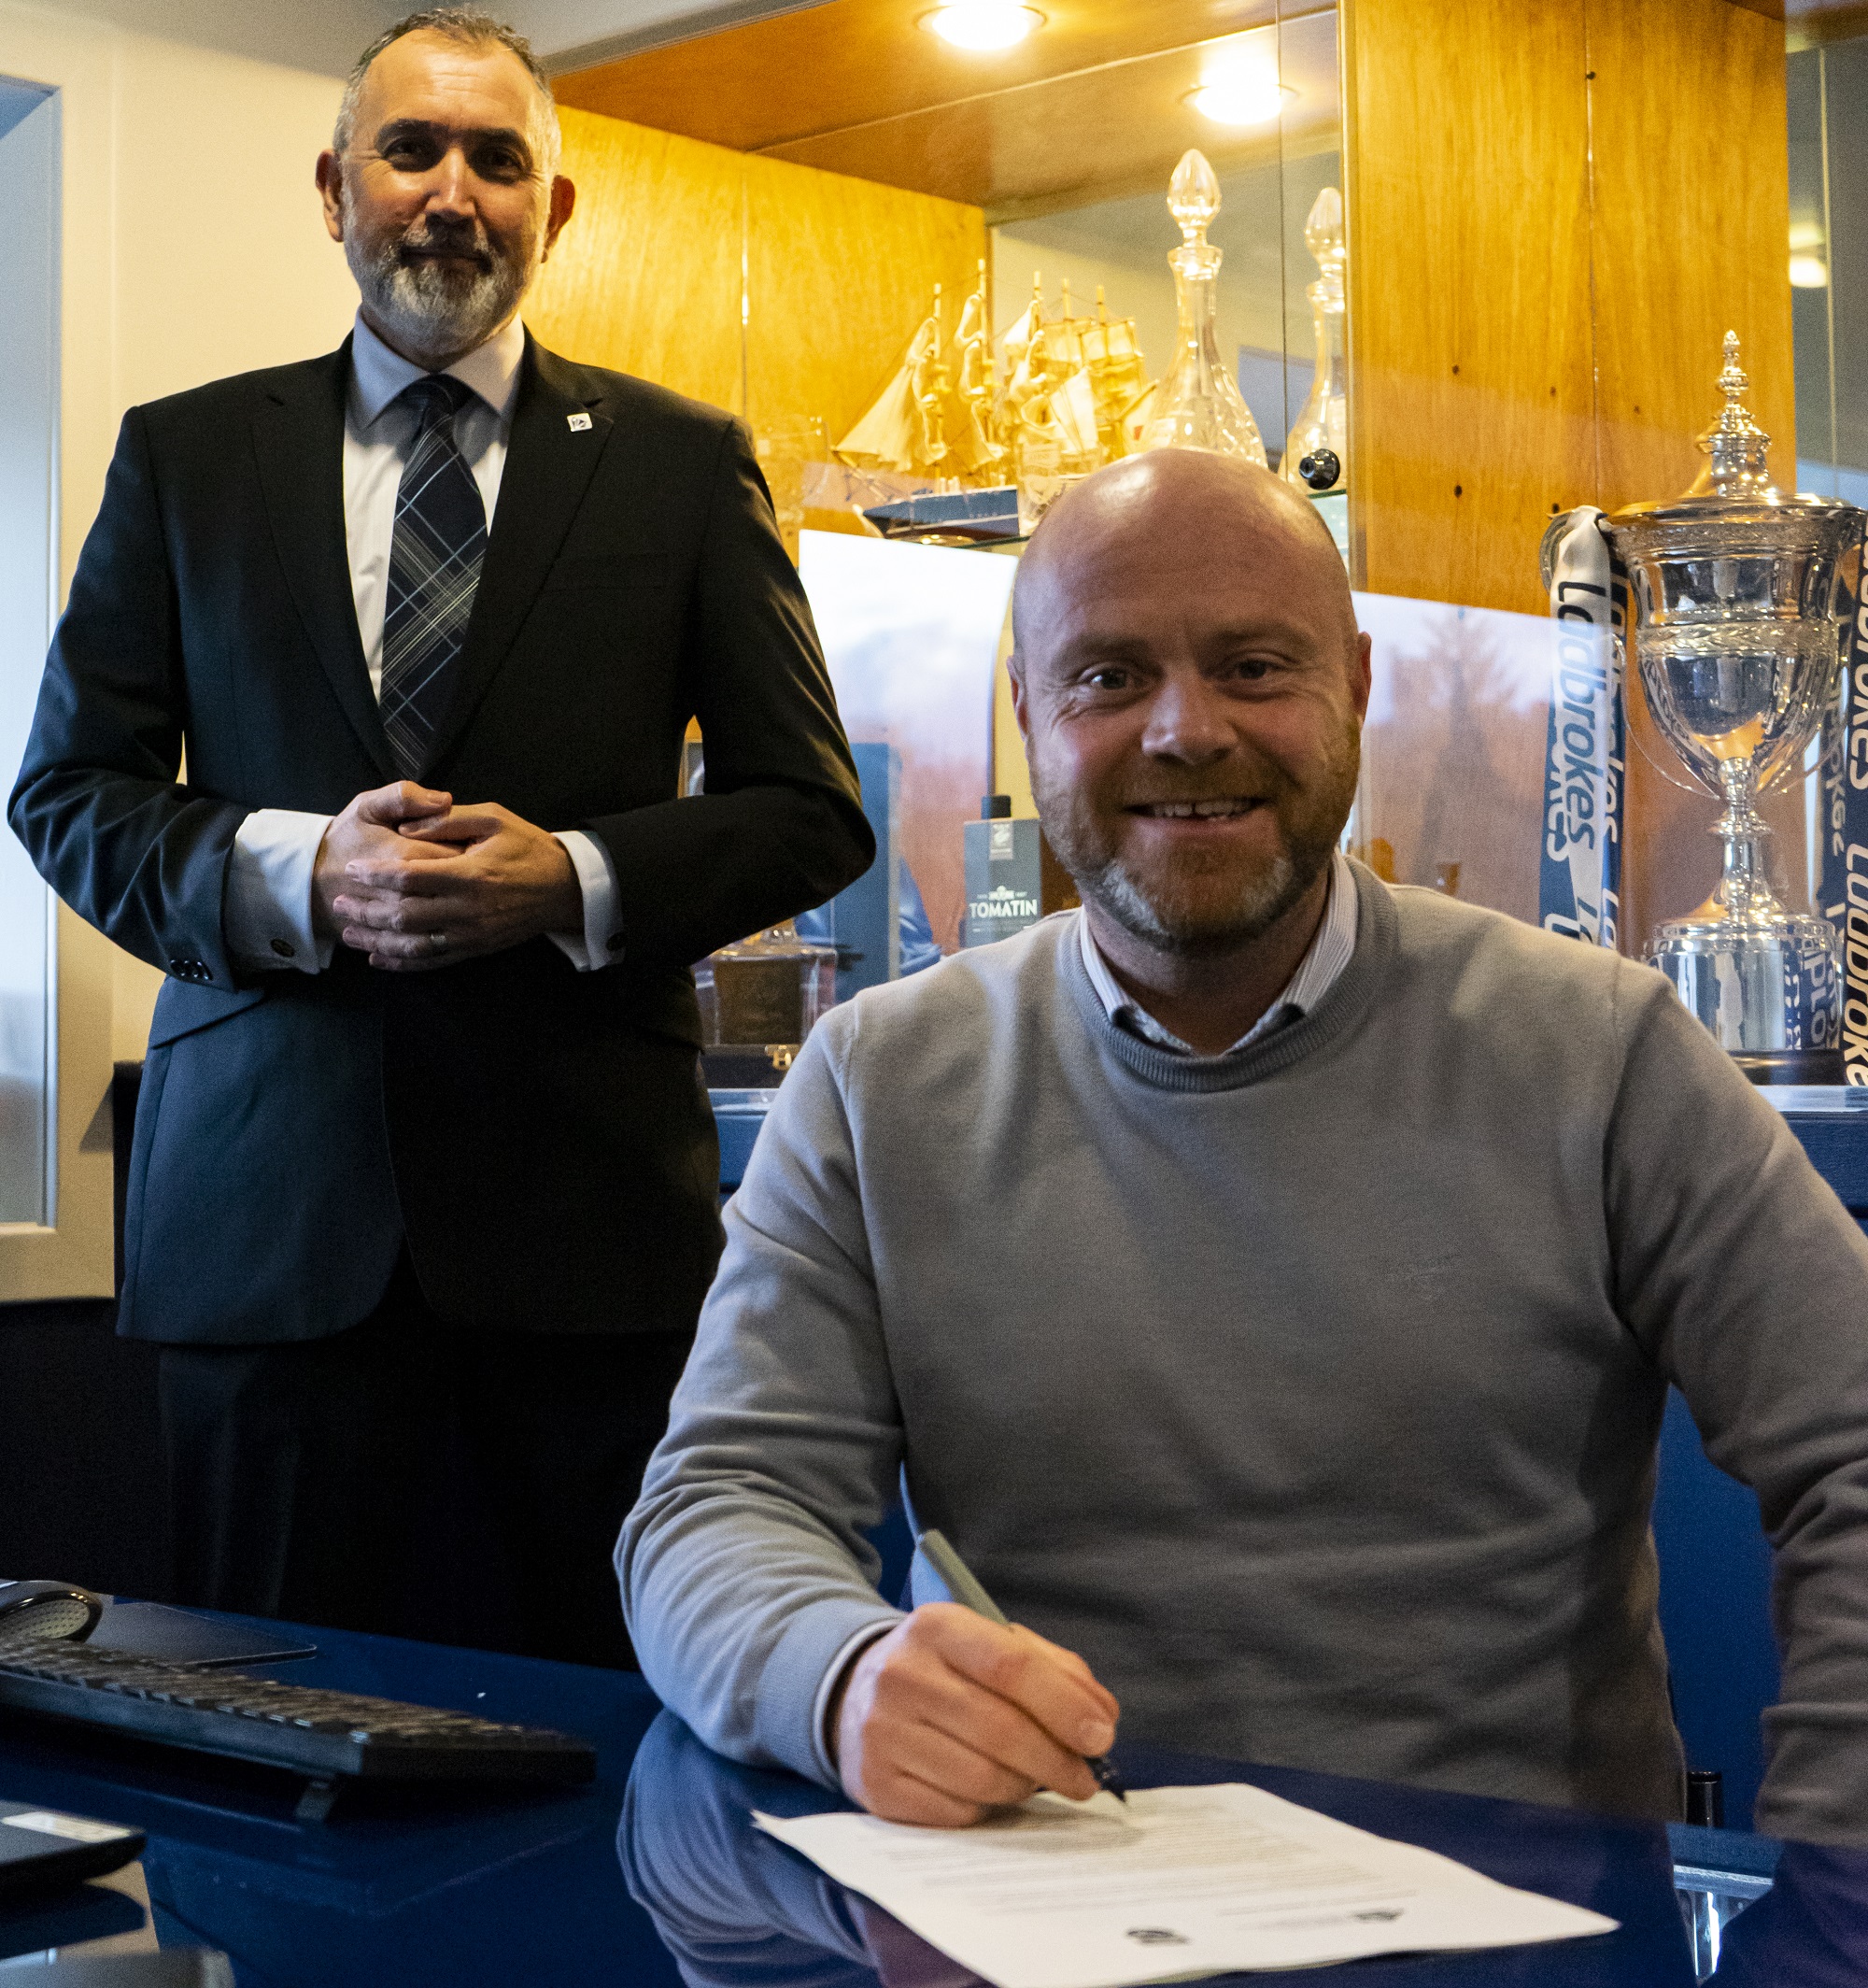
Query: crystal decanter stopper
<point x="1198" y="405"/>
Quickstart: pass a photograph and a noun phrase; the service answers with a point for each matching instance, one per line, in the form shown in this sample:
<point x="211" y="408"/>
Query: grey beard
<point x="1258" y="906"/>
<point x="426" y="311"/>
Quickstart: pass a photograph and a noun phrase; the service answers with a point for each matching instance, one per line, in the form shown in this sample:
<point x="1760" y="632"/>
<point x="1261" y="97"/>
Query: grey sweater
<point x="1310" y="1393"/>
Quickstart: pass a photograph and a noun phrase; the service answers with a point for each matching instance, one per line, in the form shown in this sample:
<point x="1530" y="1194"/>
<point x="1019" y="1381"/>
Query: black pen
<point x="960" y="1583"/>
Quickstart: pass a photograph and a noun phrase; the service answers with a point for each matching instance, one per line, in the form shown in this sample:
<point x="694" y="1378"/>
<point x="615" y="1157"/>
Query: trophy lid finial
<point x="1735" y="445"/>
<point x="1194" y="196"/>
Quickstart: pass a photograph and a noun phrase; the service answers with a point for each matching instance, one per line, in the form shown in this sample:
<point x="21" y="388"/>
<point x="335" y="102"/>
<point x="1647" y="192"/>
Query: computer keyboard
<point x="321" y="1734"/>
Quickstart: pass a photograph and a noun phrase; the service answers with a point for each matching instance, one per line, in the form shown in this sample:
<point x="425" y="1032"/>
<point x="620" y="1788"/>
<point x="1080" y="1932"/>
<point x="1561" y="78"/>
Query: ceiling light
<point x="982" y="25"/>
<point x="1244" y="96"/>
<point x="1808" y="272"/>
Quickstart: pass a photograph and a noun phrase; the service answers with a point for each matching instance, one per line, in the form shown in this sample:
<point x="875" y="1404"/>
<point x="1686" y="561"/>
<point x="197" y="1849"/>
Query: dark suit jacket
<point x="539" y="1136"/>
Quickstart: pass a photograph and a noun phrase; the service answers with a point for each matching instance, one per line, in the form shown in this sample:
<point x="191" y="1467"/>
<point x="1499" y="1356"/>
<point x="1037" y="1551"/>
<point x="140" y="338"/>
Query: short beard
<point x="1188" y="924"/>
<point x="430" y="313"/>
<point x="1256" y="908"/>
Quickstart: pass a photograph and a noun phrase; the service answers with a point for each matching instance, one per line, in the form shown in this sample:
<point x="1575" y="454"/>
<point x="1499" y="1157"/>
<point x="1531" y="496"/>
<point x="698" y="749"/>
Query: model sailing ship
<point x="999" y="433"/>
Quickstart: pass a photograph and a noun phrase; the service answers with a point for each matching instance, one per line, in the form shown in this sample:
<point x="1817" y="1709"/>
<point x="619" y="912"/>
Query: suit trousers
<point x="415" y="1479"/>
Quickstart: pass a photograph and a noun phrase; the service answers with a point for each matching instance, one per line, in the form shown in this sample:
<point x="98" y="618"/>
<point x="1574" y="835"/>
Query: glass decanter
<point x="1198" y="405"/>
<point x="1316" y="452"/>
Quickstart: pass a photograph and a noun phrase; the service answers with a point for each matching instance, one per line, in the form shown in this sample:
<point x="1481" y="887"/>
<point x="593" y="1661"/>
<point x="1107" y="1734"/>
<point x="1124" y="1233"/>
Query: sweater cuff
<point x="820" y="1710"/>
<point x="801" y="1672"/>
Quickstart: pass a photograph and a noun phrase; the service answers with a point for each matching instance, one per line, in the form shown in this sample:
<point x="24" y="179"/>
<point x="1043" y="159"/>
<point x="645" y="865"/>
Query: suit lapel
<point x="549" y="465"/>
<point x="298" y="436"/>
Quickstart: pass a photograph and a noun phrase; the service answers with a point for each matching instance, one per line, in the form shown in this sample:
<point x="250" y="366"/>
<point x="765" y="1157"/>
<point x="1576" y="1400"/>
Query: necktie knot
<point x="435" y="397"/>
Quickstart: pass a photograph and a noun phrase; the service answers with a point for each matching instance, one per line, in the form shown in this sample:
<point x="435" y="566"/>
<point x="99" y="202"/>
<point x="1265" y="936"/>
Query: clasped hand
<point x="416" y="883"/>
<point x="949" y="1716"/>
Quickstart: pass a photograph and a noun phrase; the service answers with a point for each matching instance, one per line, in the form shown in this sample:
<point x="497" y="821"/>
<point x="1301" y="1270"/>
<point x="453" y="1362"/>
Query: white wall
<point x="29" y="155"/>
<point x="572" y="34"/>
<point x="191" y="247"/>
<point x="321" y="35"/>
<point x="327" y="36"/>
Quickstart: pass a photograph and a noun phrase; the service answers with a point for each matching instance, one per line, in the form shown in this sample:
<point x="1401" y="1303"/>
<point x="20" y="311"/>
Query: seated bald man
<point x="1268" y="1278"/>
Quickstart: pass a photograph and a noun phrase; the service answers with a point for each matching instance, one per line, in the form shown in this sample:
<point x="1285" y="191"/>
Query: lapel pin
<point x="578" y="423"/>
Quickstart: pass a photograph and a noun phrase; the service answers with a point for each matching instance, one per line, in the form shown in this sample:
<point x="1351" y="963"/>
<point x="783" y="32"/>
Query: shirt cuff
<point x="266" y="908"/>
<point x="834" y="1675"/>
<point x="602" y="942"/>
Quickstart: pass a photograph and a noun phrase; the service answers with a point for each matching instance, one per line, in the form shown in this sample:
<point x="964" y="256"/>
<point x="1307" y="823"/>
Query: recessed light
<point x="1248" y="97"/>
<point x="982" y="25"/>
<point x="1808" y="272"/>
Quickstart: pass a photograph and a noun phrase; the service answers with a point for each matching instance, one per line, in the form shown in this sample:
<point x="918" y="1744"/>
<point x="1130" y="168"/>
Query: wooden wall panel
<point x="839" y="272"/>
<point x="844" y="63"/>
<point x="1097" y="135"/>
<point x="646" y="277"/>
<point x="1555" y="214"/>
<point x="1541" y="269"/>
<point x="1690" y="242"/>
<point x="1467" y="197"/>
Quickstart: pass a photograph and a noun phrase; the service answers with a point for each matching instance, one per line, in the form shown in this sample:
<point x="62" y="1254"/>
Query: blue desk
<point x="532" y="1889"/>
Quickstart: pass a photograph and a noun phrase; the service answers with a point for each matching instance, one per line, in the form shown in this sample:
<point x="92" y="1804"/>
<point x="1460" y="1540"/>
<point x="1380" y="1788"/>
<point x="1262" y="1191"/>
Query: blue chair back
<point x="1715" y="1560"/>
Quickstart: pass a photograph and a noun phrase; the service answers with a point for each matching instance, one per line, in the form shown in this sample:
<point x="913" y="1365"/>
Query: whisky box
<point x="1005" y="879"/>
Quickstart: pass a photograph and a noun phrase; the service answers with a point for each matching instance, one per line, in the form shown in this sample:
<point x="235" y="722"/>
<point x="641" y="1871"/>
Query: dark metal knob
<point x="1321" y="469"/>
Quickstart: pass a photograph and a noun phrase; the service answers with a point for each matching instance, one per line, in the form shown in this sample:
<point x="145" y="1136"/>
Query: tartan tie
<point x="435" y="571"/>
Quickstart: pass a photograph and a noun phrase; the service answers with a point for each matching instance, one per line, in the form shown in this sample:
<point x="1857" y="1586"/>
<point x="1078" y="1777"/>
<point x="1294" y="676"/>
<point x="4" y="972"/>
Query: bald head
<point x="1188" y="512"/>
<point x="1190" y="683"/>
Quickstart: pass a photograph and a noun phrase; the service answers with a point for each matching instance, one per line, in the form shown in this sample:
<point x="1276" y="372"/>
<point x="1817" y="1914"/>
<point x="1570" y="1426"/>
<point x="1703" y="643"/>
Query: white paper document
<point x="1184" y="1881"/>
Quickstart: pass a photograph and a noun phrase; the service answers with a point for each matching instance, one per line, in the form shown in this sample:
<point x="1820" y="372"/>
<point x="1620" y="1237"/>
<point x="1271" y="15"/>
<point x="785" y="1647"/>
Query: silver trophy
<point x="1739" y="616"/>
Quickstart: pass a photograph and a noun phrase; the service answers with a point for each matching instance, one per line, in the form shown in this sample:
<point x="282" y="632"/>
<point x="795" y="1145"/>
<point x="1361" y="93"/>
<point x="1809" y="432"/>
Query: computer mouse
<point x="51" y="1609"/>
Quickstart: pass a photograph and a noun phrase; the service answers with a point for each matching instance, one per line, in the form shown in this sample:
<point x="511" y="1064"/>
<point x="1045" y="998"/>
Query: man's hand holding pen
<point x="949" y="1716"/>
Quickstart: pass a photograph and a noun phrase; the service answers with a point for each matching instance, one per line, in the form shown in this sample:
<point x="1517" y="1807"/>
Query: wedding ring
<point x="437" y="942"/>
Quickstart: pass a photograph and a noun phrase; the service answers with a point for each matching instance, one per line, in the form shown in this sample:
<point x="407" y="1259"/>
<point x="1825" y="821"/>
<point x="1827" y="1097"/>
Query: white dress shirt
<point x="1317" y="973"/>
<point x="267" y="910"/>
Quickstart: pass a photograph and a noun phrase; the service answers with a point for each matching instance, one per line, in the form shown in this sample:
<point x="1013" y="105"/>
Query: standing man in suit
<point x="422" y="1196"/>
